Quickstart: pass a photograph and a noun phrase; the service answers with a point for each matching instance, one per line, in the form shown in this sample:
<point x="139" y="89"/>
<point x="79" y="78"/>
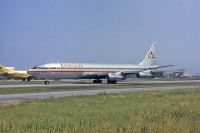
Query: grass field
<point x="146" y="112"/>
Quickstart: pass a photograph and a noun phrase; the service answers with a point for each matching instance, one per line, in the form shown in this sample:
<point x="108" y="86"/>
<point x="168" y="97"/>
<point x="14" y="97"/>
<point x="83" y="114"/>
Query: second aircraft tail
<point x="4" y="69"/>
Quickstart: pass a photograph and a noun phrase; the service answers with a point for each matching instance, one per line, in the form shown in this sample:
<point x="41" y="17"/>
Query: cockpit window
<point x="39" y="67"/>
<point x="35" y="67"/>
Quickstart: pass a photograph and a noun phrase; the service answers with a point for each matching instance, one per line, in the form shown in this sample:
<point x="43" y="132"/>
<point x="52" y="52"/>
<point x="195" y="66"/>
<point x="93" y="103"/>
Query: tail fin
<point x="150" y="57"/>
<point x="4" y="69"/>
<point x="1" y="66"/>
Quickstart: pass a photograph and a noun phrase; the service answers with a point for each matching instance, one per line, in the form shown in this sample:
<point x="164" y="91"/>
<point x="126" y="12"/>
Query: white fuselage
<point x="77" y="71"/>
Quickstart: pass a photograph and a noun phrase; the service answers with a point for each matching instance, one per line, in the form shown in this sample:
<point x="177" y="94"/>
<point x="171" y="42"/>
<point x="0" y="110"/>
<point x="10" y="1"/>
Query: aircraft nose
<point x="29" y="72"/>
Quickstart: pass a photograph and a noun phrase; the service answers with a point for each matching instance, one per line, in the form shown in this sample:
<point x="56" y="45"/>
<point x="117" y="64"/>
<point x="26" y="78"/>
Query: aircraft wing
<point x="159" y="67"/>
<point x="125" y="73"/>
<point x="94" y="75"/>
<point x="118" y="75"/>
<point x="137" y="72"/>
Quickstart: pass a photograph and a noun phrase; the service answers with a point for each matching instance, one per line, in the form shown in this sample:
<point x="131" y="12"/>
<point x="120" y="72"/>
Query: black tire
<point x="29" y="78"/>
<point x="97" y="81"/>
<point x="46" y="82"/>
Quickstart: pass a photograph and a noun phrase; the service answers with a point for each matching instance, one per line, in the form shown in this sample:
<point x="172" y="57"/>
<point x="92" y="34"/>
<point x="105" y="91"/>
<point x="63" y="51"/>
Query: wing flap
<point x="157" y="67"/>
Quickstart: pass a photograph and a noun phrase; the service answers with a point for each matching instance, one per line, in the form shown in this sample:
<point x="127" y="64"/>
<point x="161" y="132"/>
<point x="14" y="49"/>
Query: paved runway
<point x="43" y="85"/>
<point x="19" y="97"/>
<point x="162" y="81"/>
<point x="63" y="84"/>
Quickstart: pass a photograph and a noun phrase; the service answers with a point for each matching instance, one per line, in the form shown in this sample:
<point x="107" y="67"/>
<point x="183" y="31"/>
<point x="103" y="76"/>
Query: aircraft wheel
<point x="97" y="81"/>
<point x="29" y="78"/>
<point x="46" y="82"/>
<point x="23" y="79"/>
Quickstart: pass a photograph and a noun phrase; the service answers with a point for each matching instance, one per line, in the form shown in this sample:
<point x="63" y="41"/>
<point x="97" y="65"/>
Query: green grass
<point x="76" y="88"/>
<point x="146" y="112"/>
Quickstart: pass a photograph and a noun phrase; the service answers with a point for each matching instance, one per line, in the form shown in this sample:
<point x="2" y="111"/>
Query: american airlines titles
<point x="71" y="66"/>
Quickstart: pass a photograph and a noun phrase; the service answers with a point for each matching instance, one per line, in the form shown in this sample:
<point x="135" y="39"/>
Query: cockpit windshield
<point x="35" y="67"/>
<point x="39" y="67"/>
<point x="44" y="66"/>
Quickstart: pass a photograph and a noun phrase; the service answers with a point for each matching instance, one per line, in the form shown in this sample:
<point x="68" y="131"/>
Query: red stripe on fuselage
<point x="72" y="71"/>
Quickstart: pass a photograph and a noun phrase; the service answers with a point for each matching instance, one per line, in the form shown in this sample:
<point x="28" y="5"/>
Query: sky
<point x="34" y="32"/>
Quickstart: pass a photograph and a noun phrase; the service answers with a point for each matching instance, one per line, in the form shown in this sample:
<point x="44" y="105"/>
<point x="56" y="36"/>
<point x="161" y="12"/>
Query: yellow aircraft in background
<point x="10" y="73"/>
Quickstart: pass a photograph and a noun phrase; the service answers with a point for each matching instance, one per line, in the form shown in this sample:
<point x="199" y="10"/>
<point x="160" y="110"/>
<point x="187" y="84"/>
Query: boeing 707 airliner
<point x="97" y="72"/>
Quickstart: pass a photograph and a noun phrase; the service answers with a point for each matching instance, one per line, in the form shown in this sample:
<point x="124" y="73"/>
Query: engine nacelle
<point x="145" y="74"/>
<point x="116" y="76"/>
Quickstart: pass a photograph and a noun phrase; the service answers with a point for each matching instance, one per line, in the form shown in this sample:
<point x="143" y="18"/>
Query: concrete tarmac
<point x="19" y="97"/>
<point x="43" y="85"/>
<point x="63" y="84"/>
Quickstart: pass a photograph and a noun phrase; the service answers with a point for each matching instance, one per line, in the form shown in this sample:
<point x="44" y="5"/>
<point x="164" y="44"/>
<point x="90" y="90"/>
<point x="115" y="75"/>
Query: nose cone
<point x="30" y="72"/>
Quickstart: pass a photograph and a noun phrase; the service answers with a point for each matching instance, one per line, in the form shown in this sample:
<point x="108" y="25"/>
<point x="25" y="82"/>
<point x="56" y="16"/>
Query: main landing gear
<point x="97" y="81"/>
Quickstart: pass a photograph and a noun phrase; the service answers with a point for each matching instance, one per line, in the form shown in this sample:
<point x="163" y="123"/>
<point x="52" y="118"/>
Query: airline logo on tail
<point x="151" y="55"/>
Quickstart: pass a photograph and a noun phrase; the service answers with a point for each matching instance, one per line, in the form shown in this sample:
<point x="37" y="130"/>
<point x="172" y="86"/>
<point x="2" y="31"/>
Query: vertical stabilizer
<point x="4" y="69"/>
<point x="150" y="57"/>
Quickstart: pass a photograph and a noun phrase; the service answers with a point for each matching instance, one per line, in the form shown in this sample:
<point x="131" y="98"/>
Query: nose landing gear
<point x="46" y="82"/>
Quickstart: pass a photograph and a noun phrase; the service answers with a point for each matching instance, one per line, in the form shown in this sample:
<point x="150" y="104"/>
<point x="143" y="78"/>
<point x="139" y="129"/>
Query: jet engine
<point x="145" y="74"/>
<point x="116" y="76"/>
